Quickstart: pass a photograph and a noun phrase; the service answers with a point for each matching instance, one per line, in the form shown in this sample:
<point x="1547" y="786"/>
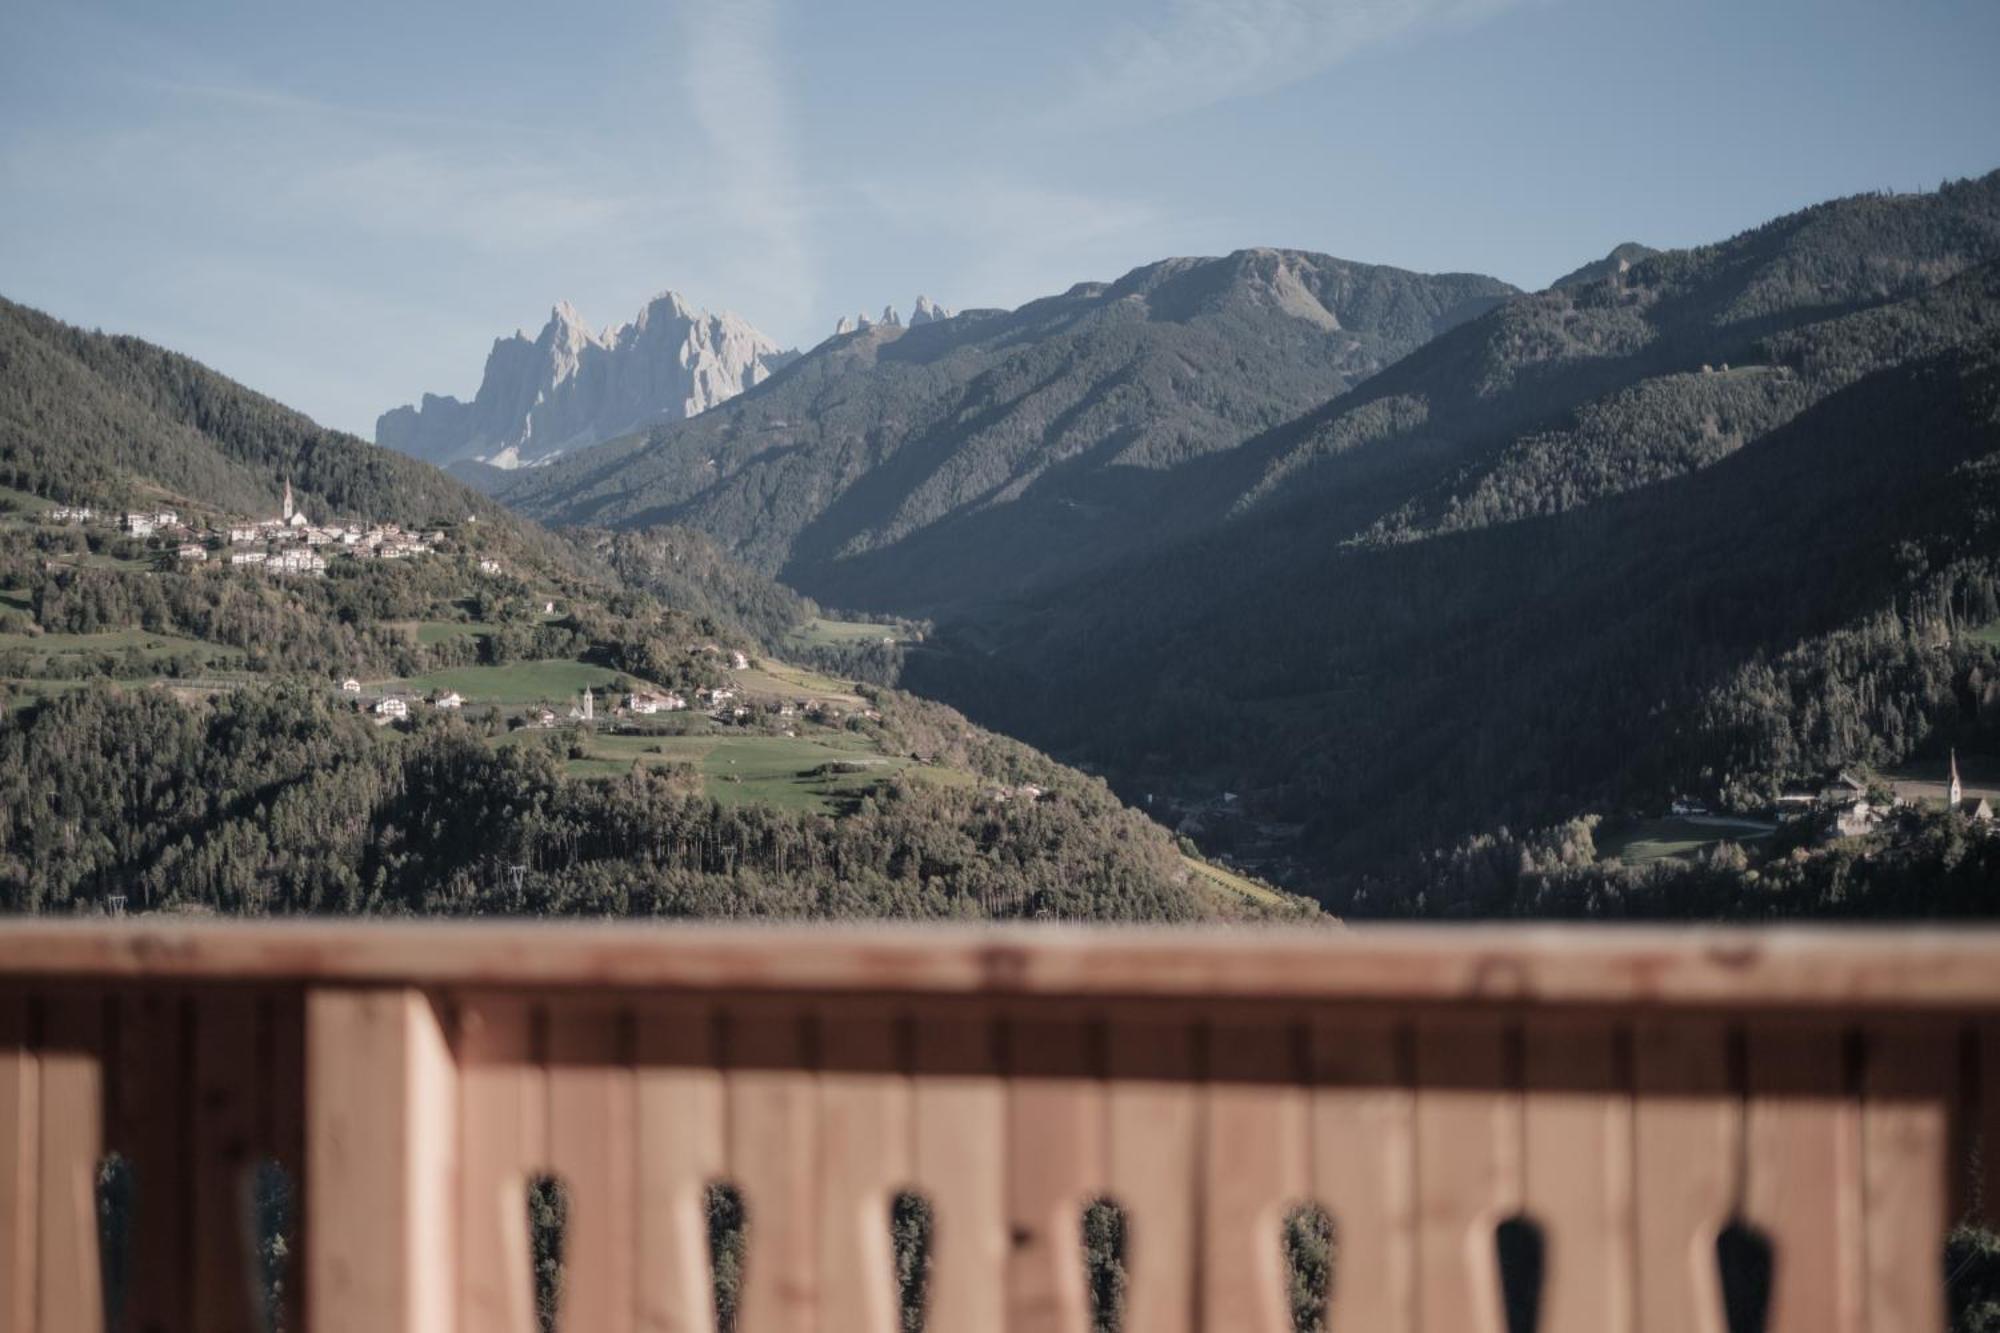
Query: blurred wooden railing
<point x="1628" y="1095"/>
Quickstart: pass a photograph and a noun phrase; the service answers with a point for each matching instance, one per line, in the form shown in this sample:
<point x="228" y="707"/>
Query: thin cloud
<point x="737" y="99"/>
<point x="1210" y="51"/>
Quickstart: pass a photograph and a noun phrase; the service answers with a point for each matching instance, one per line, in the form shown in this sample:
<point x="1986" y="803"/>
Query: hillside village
<point x="287" y="543"/>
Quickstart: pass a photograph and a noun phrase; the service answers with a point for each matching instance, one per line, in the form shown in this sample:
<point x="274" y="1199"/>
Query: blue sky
<point x="342" y="205"/>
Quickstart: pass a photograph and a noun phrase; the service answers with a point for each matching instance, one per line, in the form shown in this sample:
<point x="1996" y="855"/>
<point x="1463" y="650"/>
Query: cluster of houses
<point x="1847" y="810"/>
<point x="290" y="543"/>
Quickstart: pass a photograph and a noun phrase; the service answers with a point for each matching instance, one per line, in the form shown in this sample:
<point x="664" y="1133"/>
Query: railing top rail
<point x="1560" y="966"/>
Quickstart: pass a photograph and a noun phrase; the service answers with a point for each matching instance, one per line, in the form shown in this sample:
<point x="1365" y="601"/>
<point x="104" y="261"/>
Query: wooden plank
<point x="1254" y="1157"/>
<point x="773" y="1152"/>
<point x="680" y="1153"/>
<point x="1989" y="1123"/>
<point x="1804" y="1186"/>
<point x="962" y="1164"/>
<point x="1055" y="1165"/>
<point x="1687" y="1147"/>
<point x="69" y="1281"/>
<point x="381" y="1102"/>
<point x="282" y="1130"/>
<point x="1579" y="1174"/>
<point x="154" y="1078"/>
<point x="593" y="1149"/>
<point x="1155" y="1161"/>
<point x="20" y="1165"/>
<point x="1468" y="1170"/>
<point x="864" y="1108"/>
<point x="503" y="1143"/>
<point x="1364" y="1169"/>
<point x="1833" y="970"/>
<point x="222" y="1143"/>
<point x="1911" y="1085"/>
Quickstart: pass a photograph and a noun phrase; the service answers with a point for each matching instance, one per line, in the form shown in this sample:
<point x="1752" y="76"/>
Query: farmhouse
<point x="350" y="686"/>
<point x="391" y="706"/>
<point x="450" y="699"/>
<point x="72" y="514"/>
<point x="192" y="551"/>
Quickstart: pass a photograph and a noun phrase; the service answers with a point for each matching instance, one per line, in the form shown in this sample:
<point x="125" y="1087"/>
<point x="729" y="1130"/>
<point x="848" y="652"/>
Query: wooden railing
<point x="1621" y="1097"/>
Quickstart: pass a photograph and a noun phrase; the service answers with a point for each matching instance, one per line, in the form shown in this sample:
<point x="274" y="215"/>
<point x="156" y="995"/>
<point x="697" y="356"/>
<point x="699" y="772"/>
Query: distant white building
<point x="247" y="557"/>
<point x="192" y="551"/>
<point x="242" y="534"/>
<point x="489" y="566"/>
<point x="738" y="662"/>
<point x="392" y="706"/>
<point x="350" y="686"/>
<point x="72" y="514"/>
<point x="140" y="525"/>
<point x="450" y="699"/>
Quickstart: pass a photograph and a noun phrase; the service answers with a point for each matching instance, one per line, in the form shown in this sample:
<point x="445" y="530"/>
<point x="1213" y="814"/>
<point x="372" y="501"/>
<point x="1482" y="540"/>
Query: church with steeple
<point x="294" y="517"/>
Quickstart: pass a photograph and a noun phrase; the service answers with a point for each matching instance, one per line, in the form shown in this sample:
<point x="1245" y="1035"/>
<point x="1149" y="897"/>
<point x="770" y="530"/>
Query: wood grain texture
<point x="503" y="1143"/>
<point x="1798" y="968"/>
<point x="1804" y="1177"/>
<point x="20" y="1165"/>
<point x="1468" y="1170"/>
<point x="1687" y="1154"/>
<point x="153" y="1073"/>
<point x="773" y="1153"/>
<point x="1254" y="1170"/>
<point x="1055" y="1166"/>
<point x="69" y="1293"/>
<point x="593" y="1150"/>
<point x="379" y="1143"/>
<point x="680" y="1154"/>
<point x="865" y="1148"/>
<point x="1579" y="1173"/>
<point x="1909" y="1090"/>
<point x="225" y="1140"/>
<point x="962" y="1166"/>
<point x="1154" y="1146"/>
<point x="1364" y="1167"/>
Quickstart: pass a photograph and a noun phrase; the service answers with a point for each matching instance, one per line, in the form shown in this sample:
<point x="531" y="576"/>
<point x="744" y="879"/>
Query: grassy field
<point x="515" y="683"/>
<point x="820" y="632"/>
<point x="18" y="599"/>
<point x="753" y="770"/>
<point x="440" y="631"/>
<point x="1233" y="883"/>
<point x="117" y="641"/>
<point x="769" y="679"/>
<point x="1659" y="839"/>
<point x="1989" y="634"/>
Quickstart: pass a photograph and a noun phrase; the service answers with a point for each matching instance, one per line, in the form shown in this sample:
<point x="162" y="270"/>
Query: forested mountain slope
<point x="1560" y="559"/>
<point x="481" y="717"/>
<point x="900" y="467"/>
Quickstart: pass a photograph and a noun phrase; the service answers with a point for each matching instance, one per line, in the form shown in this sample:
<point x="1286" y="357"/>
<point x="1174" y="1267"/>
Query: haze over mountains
<point x="1403" y="558"/>
<point x="907" y="468"/>
<point x="571" y="387"/>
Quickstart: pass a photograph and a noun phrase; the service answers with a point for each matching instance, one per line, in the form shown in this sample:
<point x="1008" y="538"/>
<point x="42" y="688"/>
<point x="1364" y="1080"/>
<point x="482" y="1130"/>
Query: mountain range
<point x="907" y="468"/>
<point x="571" y="387"/>
<point x="1401" y="559"/>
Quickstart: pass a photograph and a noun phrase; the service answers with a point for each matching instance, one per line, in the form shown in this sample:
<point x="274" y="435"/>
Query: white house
<point x="140" y="525"/>
<point x="350" y="686"/>
<point x="738" y="662"/>
<point x="241" y="534"/>
<point x="489" y="566"/>
<point x="247" y="558"/>
<point x="449" y="699"/>
<point x="642" y="703"/>
<point x="192" y="551"/>
<point x="392" y="706"/>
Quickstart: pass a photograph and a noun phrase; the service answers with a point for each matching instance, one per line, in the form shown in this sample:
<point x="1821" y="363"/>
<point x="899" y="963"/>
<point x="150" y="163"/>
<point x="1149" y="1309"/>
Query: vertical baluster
<point x="226" y="1074"/>
<point x="1055" y="1162"/>
<point x="1910" y="1086"/>
<point x="865" y="1157"/>
<point x="773" y="1157"/>
<point x="20" y="1165"/>
<point x="1155" y="1161"/>
<point x="1255" y="1164"/>
<point x="155" y="1093"/>
<point x="1364" y="1170"/>
<point x="1687" y="1128"/>
<point x="379" y="1148"/>
<point x="1804" y="1176"/>
<point x="70" y="1288"/>
<point x="592" y="1108"/>
<point x="503" y="1141"/>
<point x="961" y="1164"/>
<point x="1579" y="1174"/>
<point x="680" y="1153"/>
<point x="1468" y="1142"/>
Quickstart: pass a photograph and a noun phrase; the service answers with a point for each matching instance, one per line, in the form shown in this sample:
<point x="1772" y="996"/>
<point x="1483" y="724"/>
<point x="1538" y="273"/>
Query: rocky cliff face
<point x="570" y="387"/>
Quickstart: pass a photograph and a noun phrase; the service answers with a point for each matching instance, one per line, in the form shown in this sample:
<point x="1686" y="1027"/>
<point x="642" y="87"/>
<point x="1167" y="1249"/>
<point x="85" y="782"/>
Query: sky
<point x="342" y="205"/>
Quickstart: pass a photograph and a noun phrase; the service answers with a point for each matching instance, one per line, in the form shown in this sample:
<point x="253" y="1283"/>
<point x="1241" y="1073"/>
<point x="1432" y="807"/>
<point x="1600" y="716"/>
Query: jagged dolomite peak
<point x="571" y="387"/>
<point x="927" y="311"/>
